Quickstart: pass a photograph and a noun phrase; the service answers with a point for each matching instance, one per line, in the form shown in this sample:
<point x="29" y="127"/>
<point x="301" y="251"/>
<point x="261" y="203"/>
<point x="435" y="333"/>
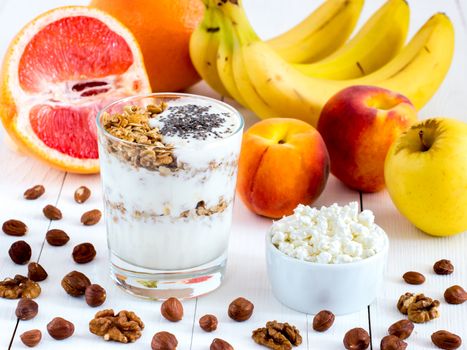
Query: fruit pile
<point x="361" y="95"/>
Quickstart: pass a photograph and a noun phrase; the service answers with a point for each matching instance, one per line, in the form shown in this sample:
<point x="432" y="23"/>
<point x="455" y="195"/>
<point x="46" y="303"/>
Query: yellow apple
<point x="426" y="175"/>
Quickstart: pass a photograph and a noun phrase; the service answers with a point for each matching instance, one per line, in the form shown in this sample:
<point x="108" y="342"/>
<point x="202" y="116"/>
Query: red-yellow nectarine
<point x="283" y="162"/>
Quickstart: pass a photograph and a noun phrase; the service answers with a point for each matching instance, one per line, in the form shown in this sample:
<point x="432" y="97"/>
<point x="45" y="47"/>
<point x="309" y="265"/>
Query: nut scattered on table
<point x="446" y="340"/>
<point x="357" y="339"/>
<point x="391" y="342"/>
<point x="19" y="287"/>
<point x="52" y="213"/>
<point x="75" y="283"/>
<point x="418" y="307"/>
<point x="56" y="237"/>
<point x="240" y="309"/>
<point x="443" y="267"/>
<point x="413" y="277"/>
<point x="14" y="227"/>
<point x="60" y="329"/>
<point x="404" y="302"/>
<point x="455" y="295"/>
<point x="124" y="327"/>
<point x="82" y="194"/>
<point x="277" y="336"/>
<point x="34" y="192"/>
<point x="220" y="344"/>
<point x="172" y="309"/>
<point x="84" y="253"/>
<point x="31" y="338"/>
<point x="164" y="341"/>
<point x="36" y="272"/>
<point x="20" y="252"/>
<point x="91" y="217"/>
<point x="95" y="295"/>
<point x="323" y="320"/>
<point x="208" y="323"/>
<point x="401" y="329"/>
<point x="26" y="309"/>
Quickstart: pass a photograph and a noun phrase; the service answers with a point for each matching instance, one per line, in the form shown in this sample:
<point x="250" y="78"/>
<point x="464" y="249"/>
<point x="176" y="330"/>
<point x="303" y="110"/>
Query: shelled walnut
<point x="423" y="309"/>
<point x="19" y="287"/>
<point x="277" y="336"/>
<point x="124" y="327"/>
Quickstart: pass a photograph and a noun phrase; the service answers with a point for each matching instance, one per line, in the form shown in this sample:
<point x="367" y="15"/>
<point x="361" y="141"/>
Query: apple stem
<point x="425" y="147"/>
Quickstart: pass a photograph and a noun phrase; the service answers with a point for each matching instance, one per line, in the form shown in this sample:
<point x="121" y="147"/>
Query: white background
<point x="410" y="249"/>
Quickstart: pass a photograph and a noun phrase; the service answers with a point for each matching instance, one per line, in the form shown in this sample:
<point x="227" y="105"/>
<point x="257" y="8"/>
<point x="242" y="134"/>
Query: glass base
<point x="161" y="285"/>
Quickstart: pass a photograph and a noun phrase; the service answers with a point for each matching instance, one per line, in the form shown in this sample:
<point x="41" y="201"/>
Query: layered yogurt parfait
<point x="168" y="168"/>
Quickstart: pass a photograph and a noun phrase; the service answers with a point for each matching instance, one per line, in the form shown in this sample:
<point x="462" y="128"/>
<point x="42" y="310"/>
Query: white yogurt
<point x="151" y="215"/>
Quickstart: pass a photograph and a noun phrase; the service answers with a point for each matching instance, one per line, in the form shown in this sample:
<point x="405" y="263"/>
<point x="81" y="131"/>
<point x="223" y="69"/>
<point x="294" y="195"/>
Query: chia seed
<point x="192" y="121"/>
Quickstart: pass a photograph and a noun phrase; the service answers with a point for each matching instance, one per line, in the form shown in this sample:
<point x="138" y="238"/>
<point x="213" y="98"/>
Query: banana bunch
<point x="294" y="74"/>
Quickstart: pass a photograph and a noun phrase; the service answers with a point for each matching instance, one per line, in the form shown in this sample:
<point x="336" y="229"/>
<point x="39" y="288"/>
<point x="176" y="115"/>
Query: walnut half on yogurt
<point x="330" y="235"/>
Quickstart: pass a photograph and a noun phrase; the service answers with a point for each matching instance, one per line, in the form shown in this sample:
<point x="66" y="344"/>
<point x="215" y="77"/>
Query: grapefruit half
<point x="58" y="71"/>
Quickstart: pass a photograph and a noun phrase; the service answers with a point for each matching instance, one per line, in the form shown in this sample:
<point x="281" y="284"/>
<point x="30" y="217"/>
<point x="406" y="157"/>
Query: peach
<point x="358" y="125"/>
<point x="283" y="162"/>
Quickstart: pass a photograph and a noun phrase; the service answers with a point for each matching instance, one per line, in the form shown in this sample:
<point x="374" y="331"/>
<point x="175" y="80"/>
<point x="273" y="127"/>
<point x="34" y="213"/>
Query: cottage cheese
<point x="330" y="235"/>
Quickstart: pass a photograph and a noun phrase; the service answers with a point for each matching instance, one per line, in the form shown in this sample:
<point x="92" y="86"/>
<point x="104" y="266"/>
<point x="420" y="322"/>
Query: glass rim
<point x="166" y="95"/>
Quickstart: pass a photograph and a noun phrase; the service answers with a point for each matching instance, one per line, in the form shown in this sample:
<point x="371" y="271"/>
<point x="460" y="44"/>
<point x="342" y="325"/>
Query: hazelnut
<point x="164" y="341"/>
<point x="443" y="267"/>
<point x="219" y="344"/>
<point x="20" y="252"/>
<point x="52" y="213"/>
<point x="413" y="277"/>
<point x="56" y="237"/>
<point x="391" y="342"/>
<point x="14" y="227"/>
<point x="401" y="329"/>
<point x="36" y="272"/>
<point x="91" y="217"/>
<point x="75" y="283"/>
<point x="240" y="309"/>
<point x="31" y="338"/>
<point x="60" y="329"/>
<point x="34" y="192"/>
<point x="455" y="295"/>
<point x="83" y="253"/>
<point x="208" y="323"/>
<point x="357" y="339"/>
<point x="323" y="320"/>
<point x="95" y="295"/>
<point x="26" y="309"/>
<point x="172" y="309"/>
<point x="446" y="340"/>
<point x="82" y="194"/>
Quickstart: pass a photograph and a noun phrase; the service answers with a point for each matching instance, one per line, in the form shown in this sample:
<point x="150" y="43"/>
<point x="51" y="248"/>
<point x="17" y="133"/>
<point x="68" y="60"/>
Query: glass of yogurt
<point x="168" y="169"/>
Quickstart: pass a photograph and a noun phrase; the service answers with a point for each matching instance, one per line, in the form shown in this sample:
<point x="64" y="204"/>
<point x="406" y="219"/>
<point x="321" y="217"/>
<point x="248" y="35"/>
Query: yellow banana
<point x="225" y="62"/>
<point x="321" y="33"/>
<point x="204" y="44"/>
<point x="416" y="72"/>
<point x="379" y="40"/>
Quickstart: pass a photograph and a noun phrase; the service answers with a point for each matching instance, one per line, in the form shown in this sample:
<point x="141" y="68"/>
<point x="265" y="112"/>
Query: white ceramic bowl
<point x="311" y="287"/>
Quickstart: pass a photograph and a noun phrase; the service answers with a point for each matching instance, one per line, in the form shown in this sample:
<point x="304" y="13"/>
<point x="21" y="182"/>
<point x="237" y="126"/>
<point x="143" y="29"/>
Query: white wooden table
<point x="246" y="273"/>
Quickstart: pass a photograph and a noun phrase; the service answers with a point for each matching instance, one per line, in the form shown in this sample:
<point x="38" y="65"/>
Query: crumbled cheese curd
<point x="330" y="235"/>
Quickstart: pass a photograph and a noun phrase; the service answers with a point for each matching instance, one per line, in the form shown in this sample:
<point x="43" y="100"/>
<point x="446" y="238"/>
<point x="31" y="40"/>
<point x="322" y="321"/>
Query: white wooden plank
<point x="20" y="172"/>
<point x="448" y="101"/>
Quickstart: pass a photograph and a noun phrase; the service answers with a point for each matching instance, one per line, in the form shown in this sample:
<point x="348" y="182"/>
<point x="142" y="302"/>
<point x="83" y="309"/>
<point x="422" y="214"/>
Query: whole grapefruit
<point x="163" y="29"/>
